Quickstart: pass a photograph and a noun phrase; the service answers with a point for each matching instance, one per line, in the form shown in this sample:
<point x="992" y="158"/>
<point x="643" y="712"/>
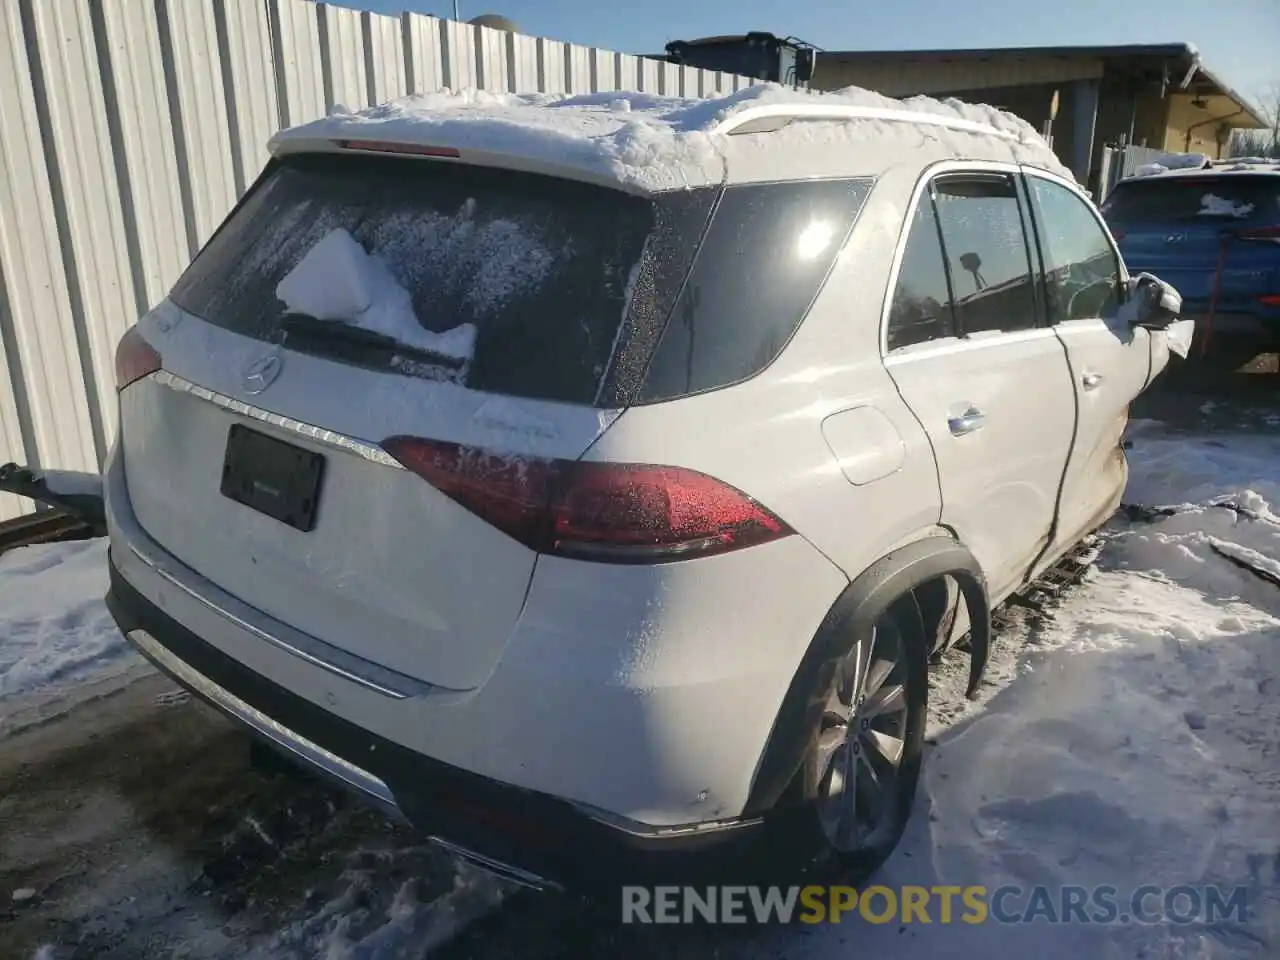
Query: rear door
<point x="519" y="281"/>
<point x="987" y="381"/>
<point x="1111" y="362"/>
<point x="1187" y="229"/>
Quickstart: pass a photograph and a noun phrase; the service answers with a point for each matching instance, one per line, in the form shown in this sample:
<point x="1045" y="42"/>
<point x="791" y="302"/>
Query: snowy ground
<point x="56" y="630"/>
<point x="1133" y="738"/>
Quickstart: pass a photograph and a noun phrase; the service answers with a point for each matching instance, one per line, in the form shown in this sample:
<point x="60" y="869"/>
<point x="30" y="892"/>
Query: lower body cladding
<point x="623" y="752"/>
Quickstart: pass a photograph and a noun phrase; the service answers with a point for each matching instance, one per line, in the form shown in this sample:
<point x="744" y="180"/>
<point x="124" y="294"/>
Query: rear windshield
<point x="577" y="293"/>
<point x="1234" y="196"/>
<point x="540" y="266"/>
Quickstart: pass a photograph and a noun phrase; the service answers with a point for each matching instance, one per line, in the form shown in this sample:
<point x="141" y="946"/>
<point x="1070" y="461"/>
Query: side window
<point x="987" y="252"/>
<point x="765" y="257"/>
<point x="1082" y="272"/>
<point x="921" y="308"/>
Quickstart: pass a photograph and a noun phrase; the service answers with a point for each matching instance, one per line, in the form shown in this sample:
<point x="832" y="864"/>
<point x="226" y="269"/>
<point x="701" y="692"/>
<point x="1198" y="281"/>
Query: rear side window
<point x="1082" y="271"/>
<point x="764" y="258"/>
<point x="1228" y="197"/>
<point x="921" y="308"/>
<point x="987" y="253"/>
<point x="539" y="265"/>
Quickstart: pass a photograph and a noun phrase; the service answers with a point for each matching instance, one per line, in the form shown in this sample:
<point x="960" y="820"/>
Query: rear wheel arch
<point x="920" y="568"/>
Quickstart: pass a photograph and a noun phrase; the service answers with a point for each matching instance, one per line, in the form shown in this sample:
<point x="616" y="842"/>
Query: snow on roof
<point x="1198" y="164"/>
<point x="654" y="142"/>
<point x="1157" y="171"/>
<point x="1173" y="161"/>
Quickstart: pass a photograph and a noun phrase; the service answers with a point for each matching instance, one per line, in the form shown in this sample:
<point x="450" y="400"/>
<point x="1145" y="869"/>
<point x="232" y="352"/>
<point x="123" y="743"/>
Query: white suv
<point x="590" y="480"/>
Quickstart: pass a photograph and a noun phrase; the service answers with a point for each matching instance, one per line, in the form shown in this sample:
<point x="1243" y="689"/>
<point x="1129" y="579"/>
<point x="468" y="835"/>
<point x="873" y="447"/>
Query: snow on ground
<point x="55" y="631"/>
<point x="1128" y="740"/>
<point x="1134" y="737"/>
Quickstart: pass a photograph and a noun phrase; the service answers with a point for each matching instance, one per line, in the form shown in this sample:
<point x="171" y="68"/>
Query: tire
<point x="828" y="839"/>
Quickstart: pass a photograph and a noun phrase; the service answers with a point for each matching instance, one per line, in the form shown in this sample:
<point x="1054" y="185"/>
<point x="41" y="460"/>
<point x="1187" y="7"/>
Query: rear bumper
<point x="1262" y="325"/>
<point x="527" y="837"/>
<point x="642" y="696"/>
<point x="620" y="733"/>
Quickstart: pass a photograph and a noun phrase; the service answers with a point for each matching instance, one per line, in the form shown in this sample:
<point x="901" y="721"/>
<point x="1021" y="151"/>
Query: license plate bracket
<point x="273" y="477"/>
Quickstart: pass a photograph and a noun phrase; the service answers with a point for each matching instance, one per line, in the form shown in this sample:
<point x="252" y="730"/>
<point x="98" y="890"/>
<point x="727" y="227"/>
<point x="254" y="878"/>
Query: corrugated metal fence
<point x="1123" y="161"/>
<point x="128" y="128"/>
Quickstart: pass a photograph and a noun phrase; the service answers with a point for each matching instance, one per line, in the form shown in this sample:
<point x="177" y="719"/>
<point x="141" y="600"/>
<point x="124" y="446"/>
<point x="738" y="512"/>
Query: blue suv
<point x="1214" y="233"/>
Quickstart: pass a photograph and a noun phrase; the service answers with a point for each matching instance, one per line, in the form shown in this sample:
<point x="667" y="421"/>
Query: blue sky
<point x="1240" y="39"/>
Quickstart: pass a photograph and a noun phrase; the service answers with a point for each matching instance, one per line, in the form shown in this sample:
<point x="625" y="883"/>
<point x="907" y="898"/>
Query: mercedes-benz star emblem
<point x="260" y="374"/>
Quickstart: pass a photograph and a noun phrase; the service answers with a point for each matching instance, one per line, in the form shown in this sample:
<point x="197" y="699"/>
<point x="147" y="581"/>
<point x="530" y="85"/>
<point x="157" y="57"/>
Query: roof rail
<point x="774" y="116"/>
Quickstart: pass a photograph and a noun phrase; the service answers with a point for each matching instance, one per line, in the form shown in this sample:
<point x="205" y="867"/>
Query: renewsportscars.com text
<point x="937" y="904"/>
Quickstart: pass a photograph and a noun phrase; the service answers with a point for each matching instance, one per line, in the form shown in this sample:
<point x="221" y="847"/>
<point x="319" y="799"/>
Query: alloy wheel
<point x="862" y="741"/>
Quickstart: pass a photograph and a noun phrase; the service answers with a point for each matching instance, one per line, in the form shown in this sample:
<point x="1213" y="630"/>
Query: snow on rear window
<point x="1212" y="205"/>
<point x="1195" y="196"/>
<point x="339" y="280"/>
<point x="482" y="263"/>
<point x="536" y="266"/>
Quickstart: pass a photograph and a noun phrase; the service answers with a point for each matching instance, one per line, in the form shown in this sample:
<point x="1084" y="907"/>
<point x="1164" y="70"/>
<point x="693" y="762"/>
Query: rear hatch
<point x="482" y="308"/>
<point x="1185" y="228"/>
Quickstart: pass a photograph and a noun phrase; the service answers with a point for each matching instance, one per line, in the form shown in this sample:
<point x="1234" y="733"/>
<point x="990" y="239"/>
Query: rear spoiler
<point x="600" y="174"/>
<point x="68" y="491"/>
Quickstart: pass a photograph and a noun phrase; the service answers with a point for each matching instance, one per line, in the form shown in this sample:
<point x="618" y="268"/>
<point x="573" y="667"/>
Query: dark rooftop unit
<point x="763" y="56"/>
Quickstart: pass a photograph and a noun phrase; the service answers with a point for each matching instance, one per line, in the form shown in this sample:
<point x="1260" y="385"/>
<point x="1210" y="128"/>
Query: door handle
<point x="1092" y="381"/>
<point x="969" y="421"/>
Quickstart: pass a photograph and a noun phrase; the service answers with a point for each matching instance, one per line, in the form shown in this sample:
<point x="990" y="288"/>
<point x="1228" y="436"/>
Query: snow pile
<point x="419" y="918"/>
<point x="619" y="138"/>
<point x="1222" y="503"/>
<point x="338" y="280"/>
<point x="1173" y="161"/>
<point x="54" y="627"/>
<point x="653" y="141"/>
<point x="1174" y="469"/>
<point x="1251" y="165"/>
<point x="1212" y="205"/>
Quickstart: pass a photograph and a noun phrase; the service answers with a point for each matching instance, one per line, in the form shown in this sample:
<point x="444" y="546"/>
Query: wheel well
<point x="930" y="572"/>
<point x="937" y="599"/>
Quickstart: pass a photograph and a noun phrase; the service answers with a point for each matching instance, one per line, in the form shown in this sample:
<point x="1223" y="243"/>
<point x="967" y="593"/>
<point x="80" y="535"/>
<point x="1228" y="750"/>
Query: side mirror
<point x="1152" y="302"/>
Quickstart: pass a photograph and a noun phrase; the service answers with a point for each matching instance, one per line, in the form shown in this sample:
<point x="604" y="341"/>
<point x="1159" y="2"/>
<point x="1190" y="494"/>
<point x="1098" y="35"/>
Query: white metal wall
<point x="128" y="129"/>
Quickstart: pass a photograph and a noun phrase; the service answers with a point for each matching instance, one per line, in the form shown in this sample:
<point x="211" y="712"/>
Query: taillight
<point x="609" y="512"/>
<point x="1270" y="299"/>
<point x="1271" y="233"/>
<point x="135" y="358"/>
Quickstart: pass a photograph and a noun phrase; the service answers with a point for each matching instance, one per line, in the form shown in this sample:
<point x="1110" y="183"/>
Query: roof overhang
<point x="1177" y="67"/>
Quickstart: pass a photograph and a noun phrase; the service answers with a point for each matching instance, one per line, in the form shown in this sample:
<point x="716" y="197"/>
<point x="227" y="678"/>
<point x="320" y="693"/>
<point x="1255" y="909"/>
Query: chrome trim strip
<point x="394" y="685"/>
<point x="637" y="829"/>
<point x="312" y="754"/>
<point x="955" y="345"/>
<point x="496" y="867"/>
<point x="329" y="438"/>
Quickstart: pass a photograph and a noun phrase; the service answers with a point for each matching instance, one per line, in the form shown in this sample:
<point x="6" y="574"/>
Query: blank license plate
<point x="272" y="477"/>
